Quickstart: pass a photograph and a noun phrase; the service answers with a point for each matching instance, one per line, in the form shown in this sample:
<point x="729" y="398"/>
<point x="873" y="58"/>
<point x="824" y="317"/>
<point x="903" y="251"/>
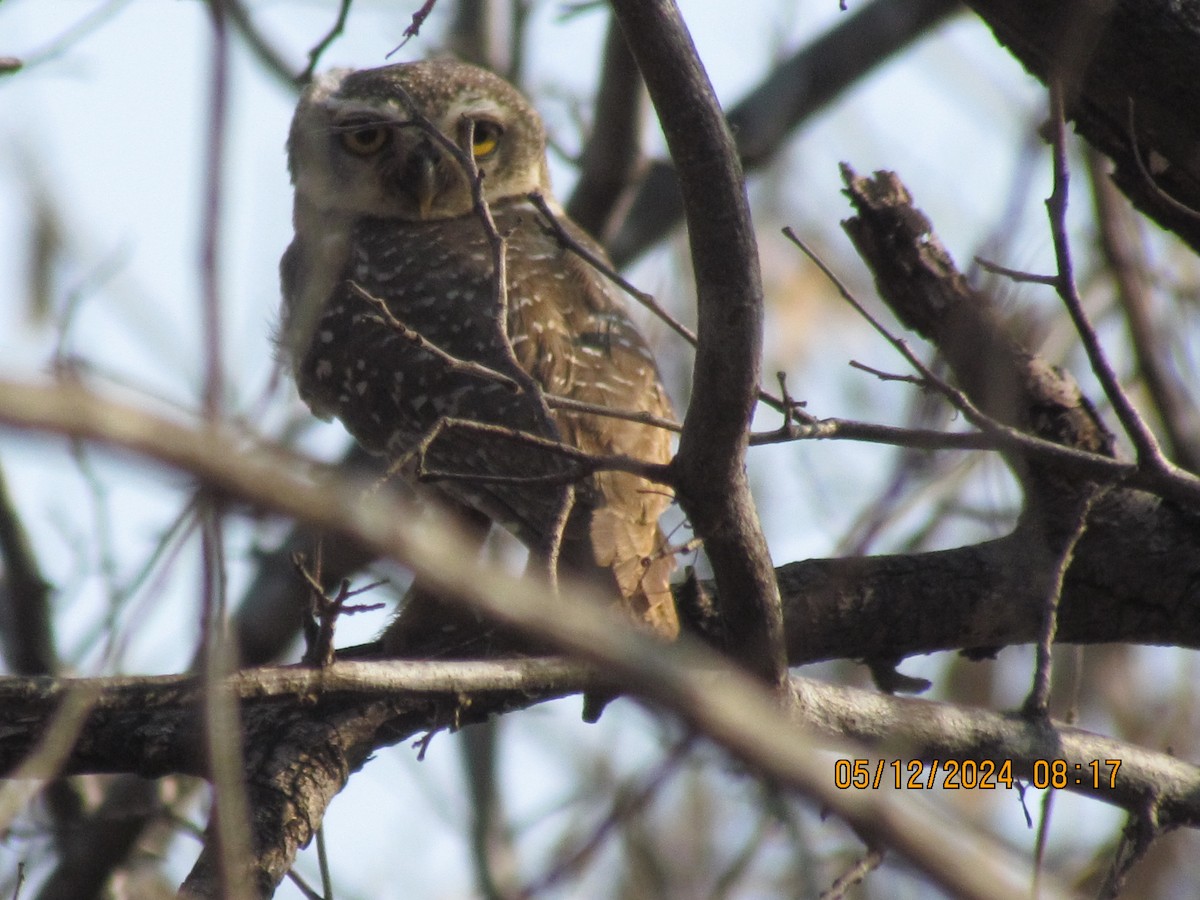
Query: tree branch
<point x="1132" y="90"/>
<point x="712" y="486"/>
<point x="769" y="116"/>
<point x="611" y="154"/>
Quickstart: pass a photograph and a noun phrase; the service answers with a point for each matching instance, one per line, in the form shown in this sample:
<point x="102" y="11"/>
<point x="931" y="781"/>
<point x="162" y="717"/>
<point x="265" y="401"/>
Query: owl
<point x="394" y="322"/>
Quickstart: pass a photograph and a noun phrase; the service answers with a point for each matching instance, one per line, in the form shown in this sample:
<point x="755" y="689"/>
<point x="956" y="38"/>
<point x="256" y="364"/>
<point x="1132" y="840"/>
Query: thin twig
<point x="553" y="537"/>
<point x="1168" y="480"/>
<point x="325" y="611"/>
<point x="626" y="805"/>
<point x="414" y="27"/>
<point x="587" y="463"/>
<point x="1149" y="454"/>
<point x="1125" y="255"/>
<point x="888" y="376"/>
<point x="854" y="875"/>
<point x="323" y="863"/>
<point x="229" y="841"/>
<point x="555" y="228"/>
<point x="957" y="398"/>
<point x="266" y="54"/>
<point x="1037" y="703"/>
<point x="85" y="27"/>
<point x="793" y="409"/>
<point x="558" y="401"/>
<point x="314" y="55"/>
<point x="1015" y="275"/>
<point x="303" y="886"/>
<point x="460" y="151"/>
<point x="894" y="435"/>
<point x="453" y="363"/>
<point x="1137" y="837"/>
<point x="1043" y="835"/>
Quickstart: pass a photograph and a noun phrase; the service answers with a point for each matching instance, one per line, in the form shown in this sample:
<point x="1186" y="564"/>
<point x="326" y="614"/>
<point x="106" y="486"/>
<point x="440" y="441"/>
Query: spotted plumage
<point x="384" y="212"/>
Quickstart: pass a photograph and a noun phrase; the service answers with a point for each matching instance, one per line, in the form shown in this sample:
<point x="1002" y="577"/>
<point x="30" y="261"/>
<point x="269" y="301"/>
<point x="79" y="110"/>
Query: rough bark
<point x="1129" y="67"/>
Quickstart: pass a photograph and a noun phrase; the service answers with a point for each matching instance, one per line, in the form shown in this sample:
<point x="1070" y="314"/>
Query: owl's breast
<point x="414" y="302"/>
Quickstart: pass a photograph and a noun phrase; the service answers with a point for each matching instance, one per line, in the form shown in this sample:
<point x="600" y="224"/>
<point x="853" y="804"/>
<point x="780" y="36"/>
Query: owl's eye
<point x="365" y="141"/>
<point x="485" y="139"/>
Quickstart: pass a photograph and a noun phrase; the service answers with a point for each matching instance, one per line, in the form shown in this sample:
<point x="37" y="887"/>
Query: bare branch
<point x="711" y="475"/>
<point x="453" y="363"/>
<point x="586" y="463"/>
<point x="268" y="56"/>
<point x="1125" y="257"/>
<point x="796" y="89"/>
<point x="24" y="597"/>
<point x="610" y="156"/>
<point x="1148" y="452"/>
<point x="555" y="227"/>
<point x="1037" y="702"/>
<point x="318" y="50"/>
<point x="1110" y="75"/>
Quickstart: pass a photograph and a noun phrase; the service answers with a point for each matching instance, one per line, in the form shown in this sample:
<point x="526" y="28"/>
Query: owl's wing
<point x="595" y="354"/>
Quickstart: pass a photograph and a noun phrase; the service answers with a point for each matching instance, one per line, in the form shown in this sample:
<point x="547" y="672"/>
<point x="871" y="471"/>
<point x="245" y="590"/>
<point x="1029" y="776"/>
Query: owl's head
<point x="355" y="147"/>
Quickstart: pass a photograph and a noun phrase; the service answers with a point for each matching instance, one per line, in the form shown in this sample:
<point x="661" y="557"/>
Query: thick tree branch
<point x="402" y="698"/>
<point x="352" y="705"/>
<point x="877" y="589"/>
<point x="712" y="486"/>
<point x="1136" y="579"/>
<point x="1126" y="530"/>
<point x="671" y="676"/>
<point x="918" y="280"/>
<point x="1144" y="554"/>
<point x="1130" y="67"/>
<point x="25" y="626"/>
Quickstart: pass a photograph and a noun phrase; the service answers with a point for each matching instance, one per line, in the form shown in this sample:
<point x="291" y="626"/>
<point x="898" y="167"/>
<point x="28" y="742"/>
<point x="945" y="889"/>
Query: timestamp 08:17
<point x="969" y="774"/>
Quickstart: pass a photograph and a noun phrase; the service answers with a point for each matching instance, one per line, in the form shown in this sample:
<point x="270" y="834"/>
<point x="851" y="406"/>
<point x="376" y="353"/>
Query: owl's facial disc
<point x="415" y="169"/>
<point x="361" y="142"/>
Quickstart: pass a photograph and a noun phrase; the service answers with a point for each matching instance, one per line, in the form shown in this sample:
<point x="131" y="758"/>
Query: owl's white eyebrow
<point x="373" y="114"/>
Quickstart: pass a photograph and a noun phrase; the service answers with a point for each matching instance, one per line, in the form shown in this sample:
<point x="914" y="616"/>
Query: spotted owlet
<point x="384" y="217"/>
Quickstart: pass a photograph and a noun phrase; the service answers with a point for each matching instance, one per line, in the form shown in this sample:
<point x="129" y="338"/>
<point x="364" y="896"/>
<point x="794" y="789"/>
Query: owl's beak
<point x="420" y="177"/>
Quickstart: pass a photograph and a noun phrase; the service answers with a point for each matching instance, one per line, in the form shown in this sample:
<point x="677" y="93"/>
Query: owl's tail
<point x="627" y="540"/>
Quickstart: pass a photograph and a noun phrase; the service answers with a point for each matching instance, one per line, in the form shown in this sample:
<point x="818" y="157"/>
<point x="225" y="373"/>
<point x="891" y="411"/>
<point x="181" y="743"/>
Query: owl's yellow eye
<point x="485" y="139"/>
<point x="365" y="141"/>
